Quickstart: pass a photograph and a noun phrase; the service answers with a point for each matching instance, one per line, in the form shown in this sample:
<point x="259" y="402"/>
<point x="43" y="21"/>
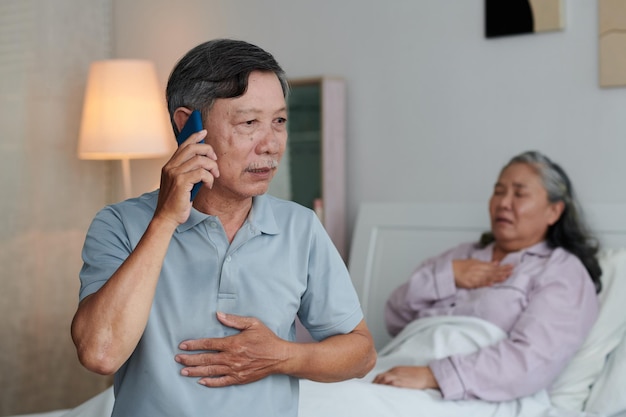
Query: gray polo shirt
<point x="280" y="264"/>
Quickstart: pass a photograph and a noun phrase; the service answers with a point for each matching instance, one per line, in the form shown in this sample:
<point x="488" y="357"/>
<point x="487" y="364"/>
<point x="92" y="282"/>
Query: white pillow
<point x="572" y="388"/>
<point x="607" y="394"/>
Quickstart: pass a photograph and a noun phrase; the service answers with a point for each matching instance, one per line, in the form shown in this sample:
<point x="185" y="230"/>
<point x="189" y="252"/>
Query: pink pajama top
<point x="546" y="307"/>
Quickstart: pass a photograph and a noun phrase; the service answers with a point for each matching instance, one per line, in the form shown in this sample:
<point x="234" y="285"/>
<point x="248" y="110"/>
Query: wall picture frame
<point x="612" y="43"/>
<point x="517" y="17"/>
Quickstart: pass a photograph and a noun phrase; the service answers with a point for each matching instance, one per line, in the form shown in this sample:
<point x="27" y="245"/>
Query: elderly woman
<point x="535" y="275"/>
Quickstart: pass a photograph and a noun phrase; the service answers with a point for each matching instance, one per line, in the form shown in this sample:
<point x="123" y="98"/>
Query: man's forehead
<point x="254" y="105"/>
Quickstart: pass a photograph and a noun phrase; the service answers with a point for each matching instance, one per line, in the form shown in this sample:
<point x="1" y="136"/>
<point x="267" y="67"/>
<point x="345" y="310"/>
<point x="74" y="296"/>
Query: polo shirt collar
<point x="195" y="217"/>
<point x="261" y="217"/>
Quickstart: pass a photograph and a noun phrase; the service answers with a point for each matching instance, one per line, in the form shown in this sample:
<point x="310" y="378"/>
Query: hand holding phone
<point x="193" y="125"/>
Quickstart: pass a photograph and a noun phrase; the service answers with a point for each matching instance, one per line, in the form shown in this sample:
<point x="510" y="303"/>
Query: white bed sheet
<point x="390" y="239"/>
<point x="418" y="344"/>
<point x="100" y="405"/>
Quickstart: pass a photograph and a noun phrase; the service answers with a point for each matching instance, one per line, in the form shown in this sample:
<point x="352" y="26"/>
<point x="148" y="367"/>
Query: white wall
<point x="434" y="108"/>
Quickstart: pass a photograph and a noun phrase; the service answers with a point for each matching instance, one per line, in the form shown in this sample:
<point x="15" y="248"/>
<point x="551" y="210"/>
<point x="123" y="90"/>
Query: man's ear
<point x="181" y="115"/>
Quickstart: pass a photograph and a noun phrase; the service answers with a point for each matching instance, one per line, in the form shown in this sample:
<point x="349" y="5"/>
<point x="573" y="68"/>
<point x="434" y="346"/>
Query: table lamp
<point x="124" y="115"/>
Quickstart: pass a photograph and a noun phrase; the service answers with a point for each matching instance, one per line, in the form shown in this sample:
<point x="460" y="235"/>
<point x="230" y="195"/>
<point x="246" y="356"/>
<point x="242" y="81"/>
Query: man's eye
<point x="281" y="120"/>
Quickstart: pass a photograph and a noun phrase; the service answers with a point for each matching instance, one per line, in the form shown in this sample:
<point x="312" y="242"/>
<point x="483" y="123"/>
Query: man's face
<point x="249" y="135"/>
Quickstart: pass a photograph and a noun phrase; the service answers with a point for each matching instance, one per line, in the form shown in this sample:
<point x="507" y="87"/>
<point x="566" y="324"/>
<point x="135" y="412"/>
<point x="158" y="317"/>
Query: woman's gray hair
<point x="570" y="231"/>
<point x="217" y="69"/>
<point x="554" y="180"/>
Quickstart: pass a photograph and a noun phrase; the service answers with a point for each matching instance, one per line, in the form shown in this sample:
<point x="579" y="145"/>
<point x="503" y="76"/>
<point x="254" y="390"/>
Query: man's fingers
<point x="236" y="322"/>
<point x="216" y="345"/>
<point x="209" y="371"/>
<point x="196" y="137"/>
<point x="219" y="344"/>
<point x="217" y="382"/>
<point x="197" y="359"/>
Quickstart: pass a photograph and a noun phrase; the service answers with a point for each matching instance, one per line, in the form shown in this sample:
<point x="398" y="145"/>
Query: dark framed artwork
<point x="517" y="17"/>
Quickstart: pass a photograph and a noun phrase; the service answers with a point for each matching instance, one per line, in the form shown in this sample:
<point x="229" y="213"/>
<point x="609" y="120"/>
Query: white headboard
<point x="391" y="239"/>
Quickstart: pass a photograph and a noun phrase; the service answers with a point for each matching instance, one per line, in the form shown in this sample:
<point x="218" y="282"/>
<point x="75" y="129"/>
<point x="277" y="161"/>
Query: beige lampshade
<point x="124" y="112"/>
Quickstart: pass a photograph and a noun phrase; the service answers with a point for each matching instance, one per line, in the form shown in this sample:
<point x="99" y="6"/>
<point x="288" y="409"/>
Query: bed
<point x="389" y="240"/>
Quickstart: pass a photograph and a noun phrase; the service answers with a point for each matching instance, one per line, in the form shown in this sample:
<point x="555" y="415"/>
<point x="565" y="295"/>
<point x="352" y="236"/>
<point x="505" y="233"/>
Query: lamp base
<point x="126" y="178"/>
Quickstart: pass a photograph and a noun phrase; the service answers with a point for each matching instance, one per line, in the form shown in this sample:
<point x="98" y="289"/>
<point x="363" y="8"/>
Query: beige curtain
<point x="47" y="196"/>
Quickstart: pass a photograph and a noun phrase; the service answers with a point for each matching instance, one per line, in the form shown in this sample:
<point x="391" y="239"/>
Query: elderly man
<point x="192" y="304"/>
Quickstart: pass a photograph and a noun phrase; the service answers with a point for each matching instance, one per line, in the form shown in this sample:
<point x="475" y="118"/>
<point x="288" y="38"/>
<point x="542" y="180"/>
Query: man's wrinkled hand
<point x="252" y="354"/>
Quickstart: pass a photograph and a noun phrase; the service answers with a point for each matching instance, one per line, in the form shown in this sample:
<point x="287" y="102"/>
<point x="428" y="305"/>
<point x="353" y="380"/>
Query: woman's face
<point x="519" y="209"/>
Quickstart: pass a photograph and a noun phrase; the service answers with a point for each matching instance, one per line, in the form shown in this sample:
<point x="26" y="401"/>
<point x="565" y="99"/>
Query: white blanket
<point x="420" y="342"/>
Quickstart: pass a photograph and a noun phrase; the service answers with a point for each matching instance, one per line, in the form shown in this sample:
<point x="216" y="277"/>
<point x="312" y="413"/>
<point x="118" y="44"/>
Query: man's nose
<point x="270" y="141"/>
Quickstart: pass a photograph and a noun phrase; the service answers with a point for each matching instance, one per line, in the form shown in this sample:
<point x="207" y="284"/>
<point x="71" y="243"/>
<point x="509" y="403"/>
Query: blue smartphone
<point x="193" y="125"/>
